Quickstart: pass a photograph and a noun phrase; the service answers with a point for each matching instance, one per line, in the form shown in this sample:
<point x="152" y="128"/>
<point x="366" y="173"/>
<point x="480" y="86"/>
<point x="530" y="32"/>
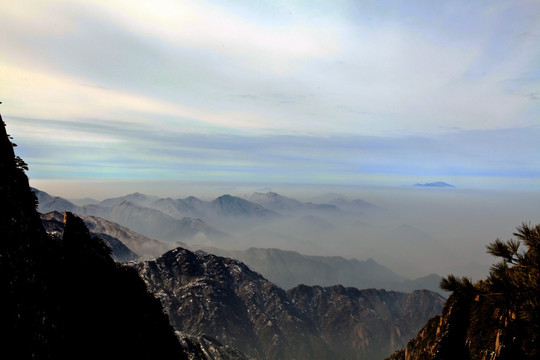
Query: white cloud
<point x="200" y="25"/>
<point x="35" y="94"/>
<point x="210" y="66"/>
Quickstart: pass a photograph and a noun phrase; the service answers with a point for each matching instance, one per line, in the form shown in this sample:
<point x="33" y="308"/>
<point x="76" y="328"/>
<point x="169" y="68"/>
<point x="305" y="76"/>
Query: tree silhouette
<point x="512" y="288"/>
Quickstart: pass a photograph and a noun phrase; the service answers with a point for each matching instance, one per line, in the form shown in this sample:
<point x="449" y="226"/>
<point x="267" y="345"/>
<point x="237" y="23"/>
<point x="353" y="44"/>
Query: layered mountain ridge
<point x="132" y="211"/>
<point x="66" y="297"/>
<point x="267" y="248"/>
<point x="223" y="298"/>
<point x="288" y="269"/>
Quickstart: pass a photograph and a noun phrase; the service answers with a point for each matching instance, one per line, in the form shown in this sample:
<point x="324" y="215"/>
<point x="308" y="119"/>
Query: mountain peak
<point x="438" y="184"/>
<point x="234" y="206"/>
<point x="222" y="297"/>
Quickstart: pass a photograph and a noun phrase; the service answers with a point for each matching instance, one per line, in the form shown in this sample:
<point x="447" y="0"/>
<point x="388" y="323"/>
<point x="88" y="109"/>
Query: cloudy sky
<point x="343" y="92"/>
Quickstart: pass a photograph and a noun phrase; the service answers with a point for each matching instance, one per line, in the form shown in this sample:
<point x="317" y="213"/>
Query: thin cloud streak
<point x="143" y="151"/>
<point x="408" y="74"/>
<point x="332" y="92"/>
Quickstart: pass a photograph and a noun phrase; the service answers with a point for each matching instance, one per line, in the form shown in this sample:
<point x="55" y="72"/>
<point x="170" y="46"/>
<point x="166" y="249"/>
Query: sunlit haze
<point x="362" y="99"/>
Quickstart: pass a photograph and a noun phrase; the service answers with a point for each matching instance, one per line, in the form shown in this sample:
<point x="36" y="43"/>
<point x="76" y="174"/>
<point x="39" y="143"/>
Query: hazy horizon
<point x="446" y="229"/>
<point x="360" y="98"/>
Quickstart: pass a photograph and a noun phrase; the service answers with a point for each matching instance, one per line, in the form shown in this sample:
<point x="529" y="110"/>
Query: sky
<point x="296" y="92"/>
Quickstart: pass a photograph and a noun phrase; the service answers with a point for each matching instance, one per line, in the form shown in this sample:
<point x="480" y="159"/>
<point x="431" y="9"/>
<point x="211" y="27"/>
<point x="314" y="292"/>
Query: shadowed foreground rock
<point x="64" y="297"/>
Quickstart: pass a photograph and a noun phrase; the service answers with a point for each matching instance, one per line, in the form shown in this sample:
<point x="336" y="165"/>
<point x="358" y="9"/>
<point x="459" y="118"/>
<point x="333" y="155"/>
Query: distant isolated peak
<point x="434" y="184"/>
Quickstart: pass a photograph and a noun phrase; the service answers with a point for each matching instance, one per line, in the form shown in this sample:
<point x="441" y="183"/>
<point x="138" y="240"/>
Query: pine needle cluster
<point x="512" y="286"/>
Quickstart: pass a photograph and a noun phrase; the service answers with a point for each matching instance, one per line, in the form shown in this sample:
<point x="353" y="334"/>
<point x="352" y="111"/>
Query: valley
<point x="272" y="235"/>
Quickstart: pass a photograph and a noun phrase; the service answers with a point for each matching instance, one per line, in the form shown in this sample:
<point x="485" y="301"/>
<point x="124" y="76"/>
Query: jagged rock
<point x="64" y="297"/>
<point x="470" y="327"/>
<point x="207" y="348"/>
<point x="223" y="298"/>
<point x="364" y="324"/>
<point x="497" y="318"/>
<point x="53" y="224"/>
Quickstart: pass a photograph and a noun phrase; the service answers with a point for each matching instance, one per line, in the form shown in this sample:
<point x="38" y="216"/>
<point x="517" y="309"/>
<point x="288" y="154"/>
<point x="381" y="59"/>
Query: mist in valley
<point x="414" y="231"/>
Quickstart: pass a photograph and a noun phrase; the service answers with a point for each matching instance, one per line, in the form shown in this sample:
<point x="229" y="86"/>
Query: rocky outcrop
<point x="223" y="298"/>
<point x="63" y="296"/>
<point x="493" y="319"/>
<point x="53" y="224"/>
<point x="206" y="348"/>
<point x="364" y="324"/>
<point x="470" y="327"/>
<point x="138" y="246"/>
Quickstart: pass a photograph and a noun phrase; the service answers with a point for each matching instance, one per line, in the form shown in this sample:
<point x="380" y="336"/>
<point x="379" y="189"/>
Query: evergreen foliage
<point x="511" y="291"/>
<point x="497" y="318"/>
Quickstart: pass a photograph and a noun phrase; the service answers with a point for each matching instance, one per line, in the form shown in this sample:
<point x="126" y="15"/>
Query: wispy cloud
<point x="140" y="152"/>
<point x="324" y="90"/>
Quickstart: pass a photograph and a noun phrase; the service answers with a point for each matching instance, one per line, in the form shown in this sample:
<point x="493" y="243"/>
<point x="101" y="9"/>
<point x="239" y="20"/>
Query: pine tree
<point x="512" y="288"/>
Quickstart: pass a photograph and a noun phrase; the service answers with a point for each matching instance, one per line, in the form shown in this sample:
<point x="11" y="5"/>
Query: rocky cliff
<point x="223" y="298"/>
<point x="494" y="319"/>
<point x="125" y="244"/>
<point x="469" y="328"/>
<point x="364" y="324"/>
<point x="63" y="296"/>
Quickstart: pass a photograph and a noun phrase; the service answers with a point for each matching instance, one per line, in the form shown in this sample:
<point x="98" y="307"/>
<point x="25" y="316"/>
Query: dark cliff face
<point x="64" y="297"/>
<point x="221" y="297"/>
<point x="53" y="224"/>
<point x="22" y="278"/>
<point x="470" y="327"/>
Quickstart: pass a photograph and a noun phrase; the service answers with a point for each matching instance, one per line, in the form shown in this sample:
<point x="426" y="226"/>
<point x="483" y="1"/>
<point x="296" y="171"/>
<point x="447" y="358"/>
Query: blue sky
<point x="345" y="92"/>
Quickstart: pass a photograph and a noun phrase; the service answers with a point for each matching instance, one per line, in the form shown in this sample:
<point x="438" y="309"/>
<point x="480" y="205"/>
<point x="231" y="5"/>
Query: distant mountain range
<point x="189" y="219"/>
<point x="224" y="285"/>
<point x="439" y="184"/>
<point x="137" y="212"/>
<point x="64" y="296"/>
<point x="285" y="205"/>
<point x="288" y="269"/>
<point x="136" y="219"/>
